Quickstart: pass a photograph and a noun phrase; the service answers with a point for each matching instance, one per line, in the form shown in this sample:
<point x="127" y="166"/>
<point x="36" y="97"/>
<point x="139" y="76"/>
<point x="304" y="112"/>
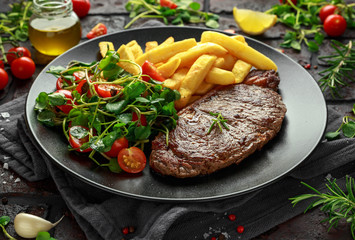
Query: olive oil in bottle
<point x="53" y="27"/>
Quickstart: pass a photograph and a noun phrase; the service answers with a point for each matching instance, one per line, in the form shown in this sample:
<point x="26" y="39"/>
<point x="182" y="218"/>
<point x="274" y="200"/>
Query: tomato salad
<point x="108" y="113"/>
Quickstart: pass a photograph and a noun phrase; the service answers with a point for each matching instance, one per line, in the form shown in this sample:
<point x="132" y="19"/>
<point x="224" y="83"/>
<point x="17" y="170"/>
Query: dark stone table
<point x="42" y="198"/>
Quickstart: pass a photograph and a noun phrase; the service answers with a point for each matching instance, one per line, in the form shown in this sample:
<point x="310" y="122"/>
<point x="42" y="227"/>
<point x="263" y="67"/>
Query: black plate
<point x="302" y="129"/>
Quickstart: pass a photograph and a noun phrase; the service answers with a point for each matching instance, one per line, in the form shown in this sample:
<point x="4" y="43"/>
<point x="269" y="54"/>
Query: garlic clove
<point x="28" y="225"/>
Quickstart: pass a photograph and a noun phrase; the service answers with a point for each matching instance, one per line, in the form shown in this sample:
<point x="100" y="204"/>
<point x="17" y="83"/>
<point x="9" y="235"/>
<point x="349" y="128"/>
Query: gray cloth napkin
<point x="102" y="215"/>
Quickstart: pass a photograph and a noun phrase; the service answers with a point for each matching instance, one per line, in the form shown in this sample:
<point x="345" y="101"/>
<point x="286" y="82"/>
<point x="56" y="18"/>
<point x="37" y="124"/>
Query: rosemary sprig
<point x="342" y="63"/>
<point x="337" y="204"/>
<point x="219" y="120"/>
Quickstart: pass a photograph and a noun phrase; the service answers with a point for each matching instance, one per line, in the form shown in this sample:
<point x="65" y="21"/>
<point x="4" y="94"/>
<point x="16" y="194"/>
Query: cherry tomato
<point x="132" y="160"/>
<point x="334" y="25"/>
<point x="143" y="119"/>
<point x="98" y="30"/>
<point x="149" y="69"/>
<point x="4" y="78"/>
<point x="65" y="108"/>
<point x="81" y="7"/>
<point x="107" y="90"/>
<point x="327" y="10"/>
<point x="285" y="1"/>
<point x="2" y="65"/>
<point x="17" y="52"/>
<point x="168" y="3"/>
<point x="76" y="143"/>
<point x="83" y="87"/>
<point x="117" y="146"/>
<point x="79" y="75"/>
<point x="23" y="67"/>
<point x="60" y="84"/>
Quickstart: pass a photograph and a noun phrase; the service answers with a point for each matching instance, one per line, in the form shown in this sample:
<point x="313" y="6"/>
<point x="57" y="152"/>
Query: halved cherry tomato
<point x="4" y="78"/>
<point x="81" y="7"/>
<point x="65" y="108"/>
<point x="98" y="30"/>
<point x="143" y="119"/>
<point x="23" y="67"/>
<point x="107" y="90"/>
<point x="168" y="3"/>
<point x="59" y="84"/>
<point x="132" y="160"/>
<point x="327" y="10"/>
<point x="17" y="52"/>
<point x="334" y="25"/>
<point x="79" y="75"/>
<point x="149" y="69"/>
<point x="76" y="143"/>
<point x="117" y="146"/>
<point x="83" y="87"/>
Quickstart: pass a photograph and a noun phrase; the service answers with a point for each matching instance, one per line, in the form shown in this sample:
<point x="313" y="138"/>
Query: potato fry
<point x="150" y="45"/>
<point x="189" y="57"/>
<point x="229" y="61"/>
<point x="168" y="41"/>
<point x="220" y="76"/>
<point x="241" y="70"/>
<point x="194" y="77"/>
<point x="175" y="81"/>
<point x="168" y="69"/>
<point x="240" y="38"/>
<point x="105" y="47"/>
<point x="135" y="48"/>
<point x="126" y="54"/>
<point x="219" y="62"/>
<point x="204" y="88"/>
<point x="163" y="53"/>
<point x="240" y="50"/>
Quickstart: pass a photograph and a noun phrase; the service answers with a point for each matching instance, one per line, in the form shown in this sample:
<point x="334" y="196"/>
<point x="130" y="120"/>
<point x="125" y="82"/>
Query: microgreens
<point x="347" y="127"/>
<point x="186" y="12"/>
<point x="106" y="119"/>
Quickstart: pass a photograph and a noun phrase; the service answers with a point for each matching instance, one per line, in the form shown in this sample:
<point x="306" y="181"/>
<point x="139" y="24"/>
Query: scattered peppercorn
<point x="131" y="229"/>
<point x="125" y="230"/>
<point x="213" y="238"/>
<point x="4" y="200"/>
<point x="221" y="237"/>
<point x="240" y="229"/>
<point x="307" y="66"/>
<point x="315" y="66"/>
<point x="231" y="217"/>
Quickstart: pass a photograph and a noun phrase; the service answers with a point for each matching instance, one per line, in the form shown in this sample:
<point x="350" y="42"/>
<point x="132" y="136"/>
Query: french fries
<point x="194" y="68"/>
<point x="239" y="50"/>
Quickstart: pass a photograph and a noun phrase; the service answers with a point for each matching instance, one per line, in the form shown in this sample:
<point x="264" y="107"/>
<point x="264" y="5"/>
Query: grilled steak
<point x="254" y="116"/>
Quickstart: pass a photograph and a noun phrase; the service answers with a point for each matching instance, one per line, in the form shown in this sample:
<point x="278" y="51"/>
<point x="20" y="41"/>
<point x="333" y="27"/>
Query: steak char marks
<point x="254" y="116"/>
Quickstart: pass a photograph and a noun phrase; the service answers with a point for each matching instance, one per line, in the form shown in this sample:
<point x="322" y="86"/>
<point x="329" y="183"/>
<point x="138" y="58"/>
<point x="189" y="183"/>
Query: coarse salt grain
<point x="5" y="114"/>
<point x="6" y="166"/>
<point x="17" y="180"/>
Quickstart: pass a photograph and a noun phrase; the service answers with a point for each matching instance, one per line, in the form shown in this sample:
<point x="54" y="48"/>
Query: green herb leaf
<point x="349" y="129"/>
<point x="4" y="220"/>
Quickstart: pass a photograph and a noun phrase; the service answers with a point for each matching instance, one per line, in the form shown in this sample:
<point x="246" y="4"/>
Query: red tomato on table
<point x="327" y="10"/>
<point x="81" y="7"/>
<point x="17" y="52"/>
<point x="98" y="30"/>
<point x="168" y="3"/>
<point x="23" y="67"/>
<point x="4" y="78"/>
<point x="334" y="25"/>
<point x="132" y="160"/>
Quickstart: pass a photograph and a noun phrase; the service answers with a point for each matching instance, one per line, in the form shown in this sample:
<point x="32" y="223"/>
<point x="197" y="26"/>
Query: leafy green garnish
<point x="347" y="127"/>
<point x="186" y="12"/>
<point x="219" y="120"/>
<point x="4" y="220"/>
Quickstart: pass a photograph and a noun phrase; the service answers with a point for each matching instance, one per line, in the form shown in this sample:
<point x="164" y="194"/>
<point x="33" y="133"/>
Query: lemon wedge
<point x="253" y="22"/>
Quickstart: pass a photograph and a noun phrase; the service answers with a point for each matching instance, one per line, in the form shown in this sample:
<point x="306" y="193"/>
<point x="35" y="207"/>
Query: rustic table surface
<point x="43" y="199"/>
